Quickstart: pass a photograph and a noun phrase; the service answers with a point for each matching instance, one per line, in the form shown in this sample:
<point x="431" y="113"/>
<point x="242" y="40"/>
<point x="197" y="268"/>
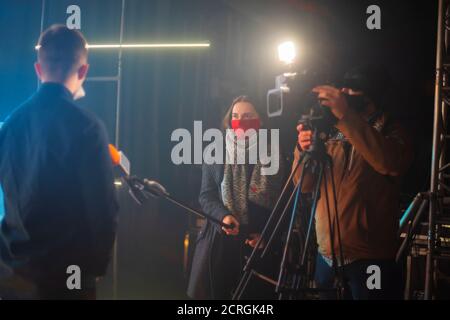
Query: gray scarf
<point x="239" y="185"/>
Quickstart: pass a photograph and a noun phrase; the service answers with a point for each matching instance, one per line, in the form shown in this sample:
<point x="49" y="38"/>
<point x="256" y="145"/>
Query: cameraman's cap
<point x="373" y="80"/>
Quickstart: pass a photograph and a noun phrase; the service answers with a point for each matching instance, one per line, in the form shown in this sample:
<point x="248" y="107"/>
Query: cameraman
<point x="369" y="152"/>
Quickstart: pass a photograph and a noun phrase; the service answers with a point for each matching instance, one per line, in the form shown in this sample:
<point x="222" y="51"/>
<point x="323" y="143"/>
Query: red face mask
<point x="244" y="125"/>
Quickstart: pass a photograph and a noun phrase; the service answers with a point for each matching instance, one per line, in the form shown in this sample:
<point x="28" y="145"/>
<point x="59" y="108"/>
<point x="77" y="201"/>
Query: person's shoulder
<point x="82" y="116"/>
<point x="394" y="126"/>
<point x="391" y="122"/>
<point x="87" y="115"/>
<point x="18" y="114"/>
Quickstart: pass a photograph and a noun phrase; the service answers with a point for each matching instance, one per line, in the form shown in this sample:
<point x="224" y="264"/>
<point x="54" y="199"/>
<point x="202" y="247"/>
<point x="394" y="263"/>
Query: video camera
<point x="293" y="96"/>
<point x="293" y="90"/>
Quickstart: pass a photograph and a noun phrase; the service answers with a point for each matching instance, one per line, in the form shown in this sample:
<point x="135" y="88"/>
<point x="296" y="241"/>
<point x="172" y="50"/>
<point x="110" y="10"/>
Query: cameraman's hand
<point x="229" y="219"/>
<point x="333" y="98"/>
<point x="304" y="137"/>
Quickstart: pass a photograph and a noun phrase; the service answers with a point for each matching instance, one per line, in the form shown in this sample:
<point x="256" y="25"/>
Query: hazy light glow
<point x="287" y="52"/>
<point x="145" y="45"/>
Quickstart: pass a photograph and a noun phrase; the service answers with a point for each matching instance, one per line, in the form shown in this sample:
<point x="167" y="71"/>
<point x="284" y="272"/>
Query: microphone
<point x="155" y="188"/>
<point x="140" y="189"/>
<point x="120" y="161"/>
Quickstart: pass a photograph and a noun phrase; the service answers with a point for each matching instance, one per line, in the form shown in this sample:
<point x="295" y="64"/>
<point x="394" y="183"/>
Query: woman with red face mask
<point x="238" y="194"/>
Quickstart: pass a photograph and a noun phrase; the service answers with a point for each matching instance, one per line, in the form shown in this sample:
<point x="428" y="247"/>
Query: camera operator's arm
<point x="389" y="153"/>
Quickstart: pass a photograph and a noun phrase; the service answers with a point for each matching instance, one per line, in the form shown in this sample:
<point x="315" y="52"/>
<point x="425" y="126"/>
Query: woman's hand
<point x="253" y="239"/>
<point x="231" y="220"/>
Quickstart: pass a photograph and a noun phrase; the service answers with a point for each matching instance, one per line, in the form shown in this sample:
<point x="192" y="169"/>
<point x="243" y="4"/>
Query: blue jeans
<point x="356" y="275"/>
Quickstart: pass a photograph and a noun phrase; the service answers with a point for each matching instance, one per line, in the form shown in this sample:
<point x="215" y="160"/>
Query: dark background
<point x="167" y="89"/>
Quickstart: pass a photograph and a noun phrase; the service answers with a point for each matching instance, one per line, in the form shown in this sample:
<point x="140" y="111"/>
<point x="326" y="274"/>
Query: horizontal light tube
<point x="145" y="45"/>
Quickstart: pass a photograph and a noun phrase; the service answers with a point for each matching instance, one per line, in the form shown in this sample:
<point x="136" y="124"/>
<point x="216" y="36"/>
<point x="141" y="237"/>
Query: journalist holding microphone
<point x="236" y="194"/>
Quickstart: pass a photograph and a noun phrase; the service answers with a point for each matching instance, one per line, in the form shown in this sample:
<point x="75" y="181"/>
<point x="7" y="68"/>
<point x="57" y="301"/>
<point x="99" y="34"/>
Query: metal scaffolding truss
<point x="439" y="211"/>
<point x="429" y="237"/>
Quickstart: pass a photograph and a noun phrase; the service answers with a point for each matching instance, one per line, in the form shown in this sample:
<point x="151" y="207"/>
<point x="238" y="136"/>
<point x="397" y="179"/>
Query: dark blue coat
<point x="56" y="174"/>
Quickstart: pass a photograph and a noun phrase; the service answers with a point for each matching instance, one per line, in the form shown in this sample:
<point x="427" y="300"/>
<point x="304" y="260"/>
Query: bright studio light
<point x="145" y="45"/>
<point x="286" y="52"/>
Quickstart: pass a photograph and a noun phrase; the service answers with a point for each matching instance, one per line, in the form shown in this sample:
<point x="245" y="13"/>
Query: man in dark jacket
<point x="56" y="174"/>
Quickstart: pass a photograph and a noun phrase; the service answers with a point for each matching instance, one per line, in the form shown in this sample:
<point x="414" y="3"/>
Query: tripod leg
<point x="243" y="283"/>
<point x="281" y="283"/>
<point x="280" y="220"/>
<point x="316" y="195"/>
<point x="248" y="268"/>
<point x="338" y="273"/>
<point x="282" y="273"/>
<point x="265" y="231"/>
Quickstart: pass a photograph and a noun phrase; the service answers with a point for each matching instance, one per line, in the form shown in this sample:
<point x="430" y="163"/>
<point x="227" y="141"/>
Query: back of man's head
<point x="61" y="52"/>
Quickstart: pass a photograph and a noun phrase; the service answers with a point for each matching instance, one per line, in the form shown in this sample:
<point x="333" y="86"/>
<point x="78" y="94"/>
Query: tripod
<point x="316" y="161"/>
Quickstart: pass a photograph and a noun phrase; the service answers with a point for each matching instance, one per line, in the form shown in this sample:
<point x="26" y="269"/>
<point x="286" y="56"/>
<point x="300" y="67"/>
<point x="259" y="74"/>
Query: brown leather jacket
<point x="368" y="161"/>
